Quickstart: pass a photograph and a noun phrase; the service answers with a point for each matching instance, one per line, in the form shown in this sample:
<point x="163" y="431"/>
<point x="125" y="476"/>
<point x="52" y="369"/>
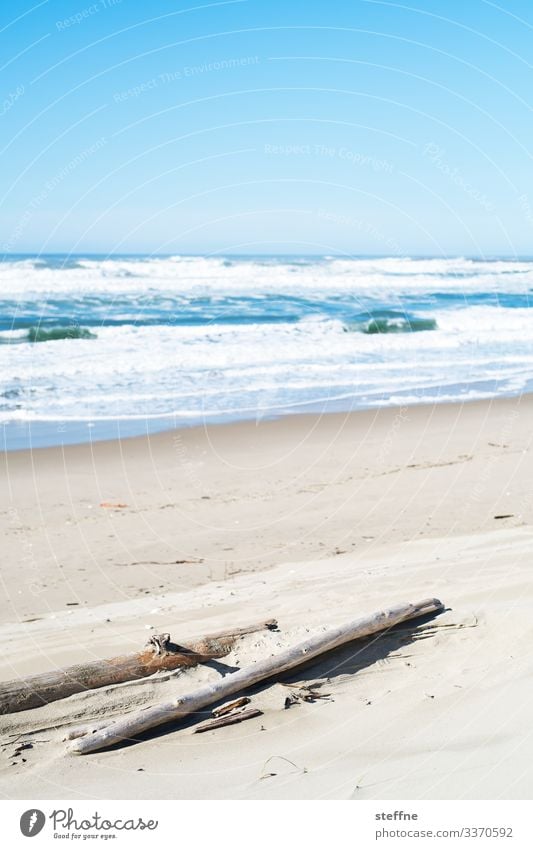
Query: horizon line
<point x="214" y="254"/>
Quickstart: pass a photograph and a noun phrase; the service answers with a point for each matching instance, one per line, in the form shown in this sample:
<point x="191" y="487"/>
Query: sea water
<point x="95" y="347"/>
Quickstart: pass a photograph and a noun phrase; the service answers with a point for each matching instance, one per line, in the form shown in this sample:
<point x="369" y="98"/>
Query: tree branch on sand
<point x="159" y="655"/>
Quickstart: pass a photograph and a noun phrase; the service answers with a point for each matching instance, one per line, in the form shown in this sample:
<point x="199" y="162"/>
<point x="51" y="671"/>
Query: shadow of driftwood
<point x="360" y="654"/>
<point x="341" y="662"/>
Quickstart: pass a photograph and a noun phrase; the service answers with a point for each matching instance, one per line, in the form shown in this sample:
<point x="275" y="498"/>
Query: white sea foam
<point x="188" y="371"/>
<point x="218" y="275"/>
<point x="139" y="372"/>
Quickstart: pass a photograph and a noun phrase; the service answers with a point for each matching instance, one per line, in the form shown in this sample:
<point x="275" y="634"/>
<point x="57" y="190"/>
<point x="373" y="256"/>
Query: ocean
<point x="94" y="347"/>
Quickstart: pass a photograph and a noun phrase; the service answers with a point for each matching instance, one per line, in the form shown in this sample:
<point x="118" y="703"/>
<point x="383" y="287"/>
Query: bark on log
<point x="38" y="690"/>
<point x="136" y="722"/>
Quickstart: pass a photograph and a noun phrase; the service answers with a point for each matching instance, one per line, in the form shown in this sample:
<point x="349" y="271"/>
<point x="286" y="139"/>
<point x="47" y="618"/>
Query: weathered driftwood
<point x="161" y="655"/>
<point x="228" y="707"/>
<point x="91" y="727"/>
<point x="82" y="730"/>
<point x="229" y="719"/>
<point x="136" y="722"/>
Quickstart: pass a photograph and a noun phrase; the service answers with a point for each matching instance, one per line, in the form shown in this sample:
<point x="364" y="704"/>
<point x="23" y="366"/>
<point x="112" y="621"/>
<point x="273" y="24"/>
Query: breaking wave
<point x="183" y="339"/>
<point x="45" y="334"/>
<point x="389" y="321"/>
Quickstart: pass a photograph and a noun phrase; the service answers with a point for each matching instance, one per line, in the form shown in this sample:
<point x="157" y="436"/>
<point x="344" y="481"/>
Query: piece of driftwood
<point x="82" y="730"/>
<point x="229" y="719"/>
<point x="229" y="706"/>
<point x="303" y="693"/>
<point x="128" y="727"/>
<point x="91" y="727"/>
<point x="160" y="655"/>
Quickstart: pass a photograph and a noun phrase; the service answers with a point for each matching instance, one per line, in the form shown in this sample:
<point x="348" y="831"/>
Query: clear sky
<point x="248" y="126"/>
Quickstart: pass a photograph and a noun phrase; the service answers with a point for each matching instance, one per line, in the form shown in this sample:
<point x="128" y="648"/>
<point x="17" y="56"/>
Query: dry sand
<point x="315" y="521"/>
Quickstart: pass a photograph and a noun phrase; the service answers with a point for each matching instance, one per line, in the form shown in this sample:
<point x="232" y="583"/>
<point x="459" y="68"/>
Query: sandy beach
<point x="313" y="520"/>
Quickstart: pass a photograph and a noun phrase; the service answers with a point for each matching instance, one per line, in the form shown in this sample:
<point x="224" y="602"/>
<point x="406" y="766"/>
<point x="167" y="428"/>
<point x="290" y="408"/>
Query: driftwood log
<point x="138" y="721"/>
<point x="160" y="655"/>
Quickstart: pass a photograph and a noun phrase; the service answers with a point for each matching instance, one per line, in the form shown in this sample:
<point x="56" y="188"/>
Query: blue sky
<point x="265" y="127"/>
